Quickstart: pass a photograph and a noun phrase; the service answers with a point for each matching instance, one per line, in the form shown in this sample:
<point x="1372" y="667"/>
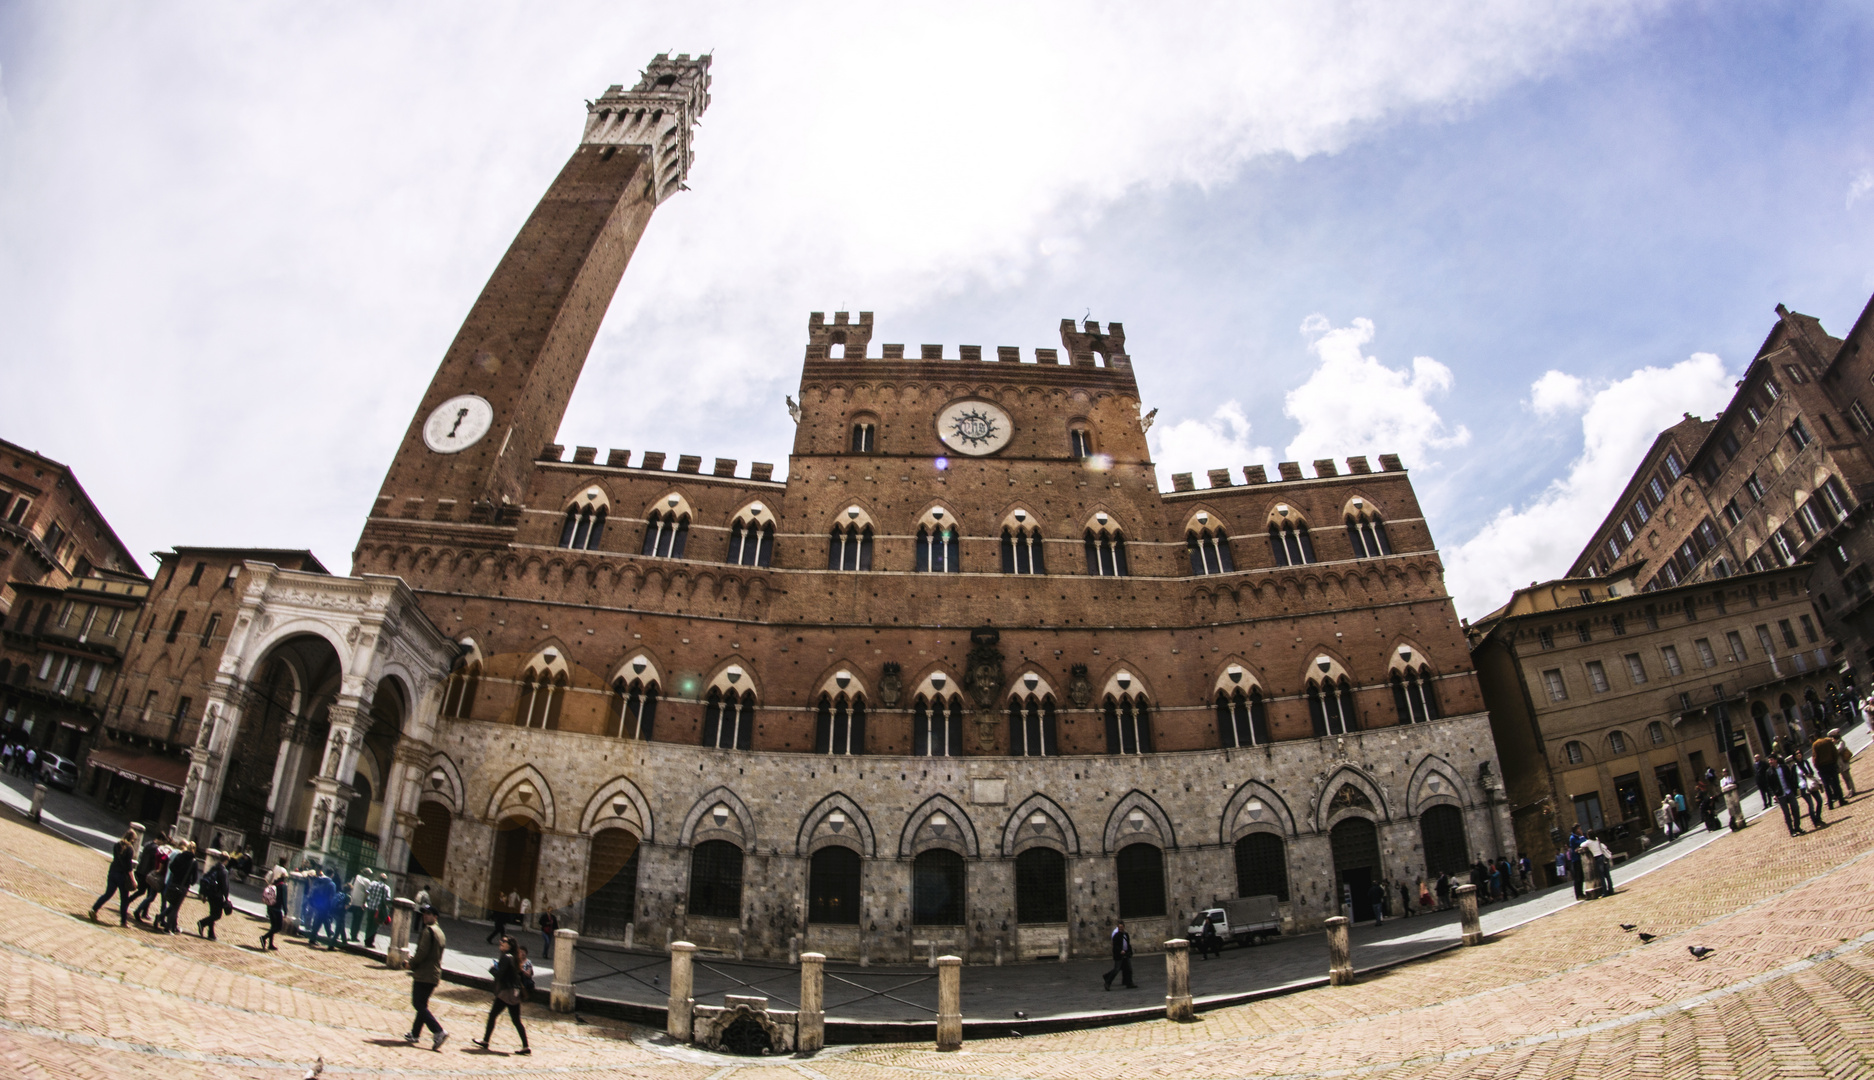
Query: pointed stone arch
<point x="1450" y="790"/>
<point x="523" y="793"/>
<point x="816" y="831"/>
<point x="1239" y="818"/>
<point x="445" y="788"/>
<point x="1326" y="812"/>
<point x="1151" y="823"/>
<point x="700" y="818"/>
<point x="1020" y="830"/>
<point x="619" y="803"/>
<point x="957" y="833"/>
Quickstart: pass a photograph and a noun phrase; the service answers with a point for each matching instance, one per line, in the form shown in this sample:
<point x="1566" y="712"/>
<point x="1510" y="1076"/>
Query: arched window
<point x="584" y="526"/>
<point x="850" y="547"/>
<point x="1576" y="753"/>
<point x="1021" y="550"/>
<point x="542" y="694"/>
<point x="1242" y="719"/>
<point x="937" y="726"/>
<point x="716" y="880"/>
<point x="1106" y="553"/>
<point x="1031" y="726"/>
<point x="1209" y="550"/>
<point x="1413" y="695"/>
<point x="1262" y="866"/>
<point x="634" y="708"/>
<point x="1141" y="871"/>
<point x="864" y="437"/>
<point x="1656" y="731"/>
<point x="1617" y="741"/>
<point x="665" y="534"/>
<point x="937" y="548"/>
<point x="841" y="727"/>
<point x="459" y="698"/>
<point x="833" y="886"/>
<point x="751" y="543"/>
<point x="1368" y="533"/>
<point x="1040" y="886"/>
<point x="1128" y="724"/>
<point x="1289" y="543"/>
<point x="1080" y="442"/>
<point x="937" y="883"/>
<point x="729" y="719"/>
<point x="1330" y="704"/>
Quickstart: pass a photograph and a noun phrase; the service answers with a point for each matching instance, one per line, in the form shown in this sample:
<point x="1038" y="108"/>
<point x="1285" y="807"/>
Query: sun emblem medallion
<point x="974" y="427"/>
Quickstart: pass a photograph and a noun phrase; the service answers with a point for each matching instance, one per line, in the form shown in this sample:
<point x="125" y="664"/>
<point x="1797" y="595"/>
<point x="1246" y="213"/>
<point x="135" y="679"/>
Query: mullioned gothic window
<point x="1242" y="719"/>
<point x="938" y="549"/>
<point x="1330" y="706"/>
<point x="584" y="527"/>
<point x="1209" y="550"/>
<point x="841" y="725"/>
<point x="849" y="548"/>
<point x="666" y="532"/>
<point x="729" y="719"/>
<point x="634" y="708"/>
<point x="1031" y="726"/>
<point x="1413" y="695"/>
<point x="751" y="543"/>
<point x="1290" y="544"/>
<point x="458" y="698"/>
<point x="542" y="695"/>
<point x="1106" y="553"/>
<point x="1368" y="534"/>
<point x="1128" y="724"/>
<point x="937" y="726"/>
<point x="864" y="437"/>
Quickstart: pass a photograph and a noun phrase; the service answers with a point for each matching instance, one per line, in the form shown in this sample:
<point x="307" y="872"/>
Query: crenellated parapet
<point x="657" y="115"/>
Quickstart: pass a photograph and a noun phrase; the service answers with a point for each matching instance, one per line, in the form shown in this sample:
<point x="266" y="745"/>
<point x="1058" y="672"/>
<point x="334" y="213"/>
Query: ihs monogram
<point x="974" y="427"/>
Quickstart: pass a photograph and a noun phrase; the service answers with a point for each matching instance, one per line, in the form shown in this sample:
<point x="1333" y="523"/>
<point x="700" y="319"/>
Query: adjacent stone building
<point x="51" y="533"/>
<point x="1781" y="476"/>
<point x="60" y="655"/>
<point x="1604" y="698"/>
<point x="964" y="679"/>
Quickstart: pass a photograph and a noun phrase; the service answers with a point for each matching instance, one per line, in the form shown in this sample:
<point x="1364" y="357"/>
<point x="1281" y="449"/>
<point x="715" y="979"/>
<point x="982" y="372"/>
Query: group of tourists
<point x="1795" y="780"/>
<point x="165" y="869"/>
<point x="18" y="758"/>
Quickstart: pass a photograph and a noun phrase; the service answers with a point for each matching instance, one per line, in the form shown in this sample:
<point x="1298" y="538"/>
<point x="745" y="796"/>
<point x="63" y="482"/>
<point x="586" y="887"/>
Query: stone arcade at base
<point x="965" y="680"/>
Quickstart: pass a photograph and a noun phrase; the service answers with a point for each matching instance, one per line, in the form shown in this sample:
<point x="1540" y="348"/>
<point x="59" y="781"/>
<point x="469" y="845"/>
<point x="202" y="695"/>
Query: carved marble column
<point x="332" y="781"/>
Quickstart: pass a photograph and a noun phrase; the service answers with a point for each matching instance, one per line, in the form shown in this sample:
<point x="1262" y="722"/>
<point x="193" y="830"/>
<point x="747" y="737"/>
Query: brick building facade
<point x="965" y="676"/>
<point x="1781" y="476"/>
<point x="1604" y="698"/>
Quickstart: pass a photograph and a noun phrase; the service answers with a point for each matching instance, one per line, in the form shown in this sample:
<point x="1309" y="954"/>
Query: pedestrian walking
<point x="377" y="900"/>
<point x="509" y="991"/>
<point x="214" y="890"/>
<point x="177" y="881"/>
<point x="1405" y="900"/>
<point x="1444" y="890"/>
<point x="273" y="894"/>
<point x="1783" y="783"/>
<point x="359" y="895"/>
<point x="1766" y="784"/>
<point x="425" y="975"/>
<point x="117" y="881"/>
<point x="1122" y="956"/>
<point x="151" y="865"/>
<point x="549" y="924"/>
<point x="1826" y="754"/>
<point x="501" y="918"/>
<point x="1602" y="865"/>
<point x="1210" y="941"/>
<point x="1526" y="870"/>
<point x="1811" y="789"/>
<point x="1425" y="897"/>
<point x="1845" y="759"/>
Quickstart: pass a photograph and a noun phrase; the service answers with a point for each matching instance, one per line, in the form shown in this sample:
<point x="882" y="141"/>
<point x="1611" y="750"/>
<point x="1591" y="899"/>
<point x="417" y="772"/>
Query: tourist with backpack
<point x="511" y="988"/>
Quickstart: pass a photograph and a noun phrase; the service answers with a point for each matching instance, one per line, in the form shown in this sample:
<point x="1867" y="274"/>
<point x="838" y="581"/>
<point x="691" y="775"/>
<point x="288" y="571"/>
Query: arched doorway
<point x="1356" y="863"/>
<point x="276" y="746"/>
<point x="429" y="846"/>
<point x="515" y="864"/>
<point x="1141" y="872"/>
<point x="611" y="884"/>
<point x="937" y="884"/>
<point x="1446" y="849"/>
<point x="833" y="886"/>
<point x="1041" y="886"/>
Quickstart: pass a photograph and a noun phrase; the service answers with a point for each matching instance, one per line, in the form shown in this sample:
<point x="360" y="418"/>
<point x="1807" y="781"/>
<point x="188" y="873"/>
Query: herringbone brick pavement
<point x="1789" y="992"/>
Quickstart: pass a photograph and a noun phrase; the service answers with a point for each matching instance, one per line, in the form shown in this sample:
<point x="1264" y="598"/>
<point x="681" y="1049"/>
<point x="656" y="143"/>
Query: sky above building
<point x="1508" y="242"/>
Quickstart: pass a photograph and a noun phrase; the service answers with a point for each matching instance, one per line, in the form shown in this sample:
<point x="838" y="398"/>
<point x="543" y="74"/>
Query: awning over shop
<point x="162" y="773"/>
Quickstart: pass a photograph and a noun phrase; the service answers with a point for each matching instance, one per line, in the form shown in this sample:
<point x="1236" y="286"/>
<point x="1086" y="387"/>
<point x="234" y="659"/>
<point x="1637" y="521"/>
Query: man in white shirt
<point x="1603" y="865"/>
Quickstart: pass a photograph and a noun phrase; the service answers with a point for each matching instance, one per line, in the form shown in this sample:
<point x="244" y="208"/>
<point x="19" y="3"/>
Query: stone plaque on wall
<point x="989" y="790"/>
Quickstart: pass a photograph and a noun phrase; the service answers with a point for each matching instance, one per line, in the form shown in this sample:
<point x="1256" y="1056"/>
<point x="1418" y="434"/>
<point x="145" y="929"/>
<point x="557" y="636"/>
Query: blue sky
<point x="234" y="242"/>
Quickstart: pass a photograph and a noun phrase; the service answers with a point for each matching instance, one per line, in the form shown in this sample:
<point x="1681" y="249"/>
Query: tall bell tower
<point x="503" y="386"/>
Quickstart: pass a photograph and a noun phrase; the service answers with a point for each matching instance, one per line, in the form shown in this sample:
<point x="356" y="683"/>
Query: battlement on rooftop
<point x="1086" y="346"/>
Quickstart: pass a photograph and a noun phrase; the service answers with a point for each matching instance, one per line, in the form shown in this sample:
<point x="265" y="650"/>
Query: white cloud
<point x="1197" y="446"/>
<point x="1353" y="404"/>
<point x="1539" y="541"/>
<point x="1859" y="186"/>
<point x="1557" y="392"/>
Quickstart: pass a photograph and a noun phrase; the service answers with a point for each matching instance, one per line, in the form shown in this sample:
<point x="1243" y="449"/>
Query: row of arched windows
<point x="864" y="440"/>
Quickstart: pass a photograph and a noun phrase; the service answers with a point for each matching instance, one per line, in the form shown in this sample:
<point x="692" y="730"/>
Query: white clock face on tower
<point x="458" y="423"/>
<point x="974" y="427"/>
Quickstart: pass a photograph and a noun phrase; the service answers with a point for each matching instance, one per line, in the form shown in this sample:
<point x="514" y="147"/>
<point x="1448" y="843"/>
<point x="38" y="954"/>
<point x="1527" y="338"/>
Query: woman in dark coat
<point x="276" y="908"/>
<point x="214" y="891"/>
<point x="117" y="882"/>
<point x="508" y="994"/>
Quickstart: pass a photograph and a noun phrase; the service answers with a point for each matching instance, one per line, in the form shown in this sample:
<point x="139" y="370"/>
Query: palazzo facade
<point x="965" y="679"/>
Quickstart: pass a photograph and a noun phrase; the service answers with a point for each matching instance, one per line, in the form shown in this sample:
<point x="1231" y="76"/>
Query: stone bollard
<point x="396" y="953"/>
<point x="1339" y="952"/>
<point x="949" y="1003"/>
<point x="682" y="982"/>
<point x="1467" y="915"/>
<point x="565" y="959"/>
<point x="811" y="1034"/>
<point x="1178" y="981"/>
<point x="998" y="952"/>
<point x="39" y="800"/>
<point x="1063" y="948"/>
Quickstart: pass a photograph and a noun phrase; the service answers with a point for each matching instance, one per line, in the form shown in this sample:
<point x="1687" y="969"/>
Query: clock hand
<point x="459" y="414"/>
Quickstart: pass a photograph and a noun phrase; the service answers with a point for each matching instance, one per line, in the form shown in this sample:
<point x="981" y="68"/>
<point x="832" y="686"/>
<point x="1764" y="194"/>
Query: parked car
<point x="1244" y="920"/>
<point x="56" y="770"/>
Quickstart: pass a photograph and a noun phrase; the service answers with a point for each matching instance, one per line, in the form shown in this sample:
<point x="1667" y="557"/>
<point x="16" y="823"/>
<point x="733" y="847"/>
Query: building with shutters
<point x="964" y="678"/>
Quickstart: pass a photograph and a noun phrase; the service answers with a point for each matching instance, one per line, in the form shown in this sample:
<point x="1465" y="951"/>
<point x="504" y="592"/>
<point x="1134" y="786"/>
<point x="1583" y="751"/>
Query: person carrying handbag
<point x="510" y="990"/>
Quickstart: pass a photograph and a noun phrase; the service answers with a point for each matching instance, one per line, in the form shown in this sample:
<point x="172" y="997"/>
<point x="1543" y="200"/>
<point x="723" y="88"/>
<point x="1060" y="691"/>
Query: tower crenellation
<point x="657" y="116"/>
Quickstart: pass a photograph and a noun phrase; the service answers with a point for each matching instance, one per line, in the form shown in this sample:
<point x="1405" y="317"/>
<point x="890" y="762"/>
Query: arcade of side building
<point x="965" y="679"/>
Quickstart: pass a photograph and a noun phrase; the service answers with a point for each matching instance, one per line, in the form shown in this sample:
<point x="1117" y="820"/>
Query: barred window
<point x="1576" y="753"/>
<point x="833" y="886"/>
<point x="1671" y="655"/>
<point x="1262" y="866"/>
<point x="1636" y="669"/>
<point x="1558" y="690"/>
<point x="937" y="888"/>
<point x="1040" y="886"/>
<point x="1141" y="873"/>
<point x="1597" y="677"/>
<point x="716" y="880"/>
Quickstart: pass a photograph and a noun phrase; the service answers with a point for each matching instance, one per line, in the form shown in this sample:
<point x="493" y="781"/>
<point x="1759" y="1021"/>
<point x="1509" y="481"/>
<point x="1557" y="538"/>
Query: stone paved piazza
<point x="1789" y="991"/>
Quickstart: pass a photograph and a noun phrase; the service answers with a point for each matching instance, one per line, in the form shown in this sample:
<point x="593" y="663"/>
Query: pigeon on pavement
<point x="1627" y="926"/>
<point x="1646" y="938"/>
<point x="1699" y="952"/>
